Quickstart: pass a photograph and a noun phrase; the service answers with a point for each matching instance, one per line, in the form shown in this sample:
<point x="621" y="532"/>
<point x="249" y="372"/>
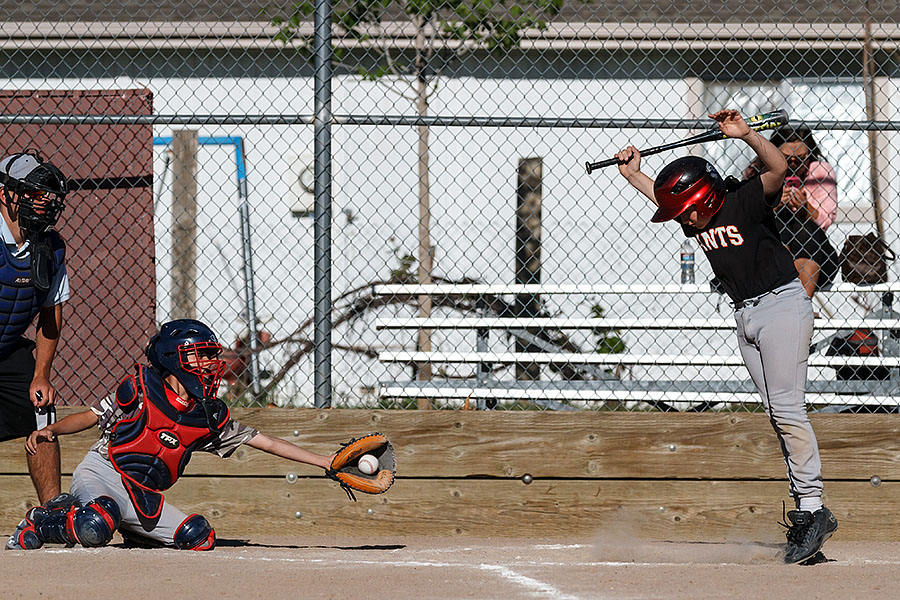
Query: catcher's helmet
<point x="688" y="183"/>
<point x="189" y="350"/>
<point x="40" y="190"/>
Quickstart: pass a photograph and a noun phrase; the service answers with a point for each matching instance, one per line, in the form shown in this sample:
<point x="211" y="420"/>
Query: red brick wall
<point x="108" y="232"/>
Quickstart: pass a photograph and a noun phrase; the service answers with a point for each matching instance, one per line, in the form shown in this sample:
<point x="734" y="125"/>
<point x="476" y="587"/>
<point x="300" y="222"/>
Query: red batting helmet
<point x="688" y="183"/>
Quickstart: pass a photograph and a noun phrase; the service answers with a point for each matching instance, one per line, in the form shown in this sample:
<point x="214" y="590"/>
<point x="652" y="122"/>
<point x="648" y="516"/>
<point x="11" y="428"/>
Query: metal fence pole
<point x="322" y="212"/>
<point x="249" y="286"/>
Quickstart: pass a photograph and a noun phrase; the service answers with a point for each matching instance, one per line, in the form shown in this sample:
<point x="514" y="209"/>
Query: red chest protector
<point x="151" y="449"/>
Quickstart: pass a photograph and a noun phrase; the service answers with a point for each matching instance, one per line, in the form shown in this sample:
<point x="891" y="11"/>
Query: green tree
<point x="607" y="340"/>
<point x="443" y="30"/>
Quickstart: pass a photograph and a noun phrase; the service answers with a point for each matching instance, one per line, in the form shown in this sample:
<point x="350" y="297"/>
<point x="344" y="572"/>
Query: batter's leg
<point x="780" y="327"/>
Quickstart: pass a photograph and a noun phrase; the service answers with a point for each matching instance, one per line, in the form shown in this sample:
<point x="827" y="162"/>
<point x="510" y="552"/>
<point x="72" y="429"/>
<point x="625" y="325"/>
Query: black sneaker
<point x="808" y="532"/>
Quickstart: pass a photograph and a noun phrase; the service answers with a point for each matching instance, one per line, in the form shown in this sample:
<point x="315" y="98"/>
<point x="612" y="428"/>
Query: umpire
<point x="33" y="282"/>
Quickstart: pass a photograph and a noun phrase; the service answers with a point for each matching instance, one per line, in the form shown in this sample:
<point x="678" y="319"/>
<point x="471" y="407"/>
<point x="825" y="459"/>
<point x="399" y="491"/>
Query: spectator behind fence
<point x="808" y="206"/>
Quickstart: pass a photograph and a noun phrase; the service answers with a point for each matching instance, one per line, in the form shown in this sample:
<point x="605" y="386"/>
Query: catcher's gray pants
<point x="774" y="331"/>
<point x="95" y="476"/>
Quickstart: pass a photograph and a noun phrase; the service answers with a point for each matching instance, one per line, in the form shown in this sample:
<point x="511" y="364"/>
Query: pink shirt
<point x="821" y="192"/>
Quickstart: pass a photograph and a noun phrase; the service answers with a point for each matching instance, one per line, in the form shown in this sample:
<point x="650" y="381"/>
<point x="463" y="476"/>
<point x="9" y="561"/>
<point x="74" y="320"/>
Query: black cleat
<point x="807" y="534"/>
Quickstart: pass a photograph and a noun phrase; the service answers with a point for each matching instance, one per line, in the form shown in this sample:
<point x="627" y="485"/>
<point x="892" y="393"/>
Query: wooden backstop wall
<point x="675" y="476"/>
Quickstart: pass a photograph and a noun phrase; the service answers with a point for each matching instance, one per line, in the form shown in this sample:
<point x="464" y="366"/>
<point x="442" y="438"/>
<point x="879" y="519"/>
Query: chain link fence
<point x="459" y="135"/>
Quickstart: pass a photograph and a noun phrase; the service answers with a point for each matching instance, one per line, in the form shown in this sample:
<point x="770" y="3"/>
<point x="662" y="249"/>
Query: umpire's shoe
<point x="810" y="530"/>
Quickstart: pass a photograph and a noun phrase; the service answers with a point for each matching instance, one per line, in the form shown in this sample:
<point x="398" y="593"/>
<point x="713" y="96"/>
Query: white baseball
<point x="367" y="464"/>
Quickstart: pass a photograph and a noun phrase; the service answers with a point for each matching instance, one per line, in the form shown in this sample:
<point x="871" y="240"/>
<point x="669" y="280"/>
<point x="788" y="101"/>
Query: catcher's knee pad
<point x="195" y="533"/>
<point x="95" y="523"/>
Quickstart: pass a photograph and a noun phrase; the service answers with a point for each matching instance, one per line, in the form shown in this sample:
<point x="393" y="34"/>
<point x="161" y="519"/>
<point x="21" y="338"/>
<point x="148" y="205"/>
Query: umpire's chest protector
<point x="151" y="449"/>
<point x="19" y="300"/>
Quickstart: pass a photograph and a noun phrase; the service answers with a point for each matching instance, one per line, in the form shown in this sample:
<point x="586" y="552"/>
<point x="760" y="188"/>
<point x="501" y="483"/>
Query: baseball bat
<point x="757" y="123"/>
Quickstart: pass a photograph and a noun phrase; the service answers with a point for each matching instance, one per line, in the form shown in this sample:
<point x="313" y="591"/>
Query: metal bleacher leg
<point x="484" y="369"/>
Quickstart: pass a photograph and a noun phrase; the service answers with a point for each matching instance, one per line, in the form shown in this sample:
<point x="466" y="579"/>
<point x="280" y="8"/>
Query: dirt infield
<point x="419" y="568"/>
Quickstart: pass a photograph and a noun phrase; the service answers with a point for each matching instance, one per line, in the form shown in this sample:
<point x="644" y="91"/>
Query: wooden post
<point x="184" y="224"/>
<point x="425" y="254"/>
<point x="529" y="192"/>
<point x="871" y="112"/>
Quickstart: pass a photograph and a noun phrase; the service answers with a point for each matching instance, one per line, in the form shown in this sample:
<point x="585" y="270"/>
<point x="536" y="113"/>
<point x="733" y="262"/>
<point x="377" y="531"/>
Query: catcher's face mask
<point x="202" y="360"/>
<point x="37" y="189"/>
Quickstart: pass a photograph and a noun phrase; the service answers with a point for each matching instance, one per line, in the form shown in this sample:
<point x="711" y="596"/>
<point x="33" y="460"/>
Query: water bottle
<point x="891" y="341"/>
<point x="687" y="262"/>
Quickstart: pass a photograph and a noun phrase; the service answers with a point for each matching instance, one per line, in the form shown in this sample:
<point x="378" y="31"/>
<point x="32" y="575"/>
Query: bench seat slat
<point x="587" y="289"/>
<point x="617" y="359"/>
<point x="855" y="392"/>
<point x="591" y="323"/>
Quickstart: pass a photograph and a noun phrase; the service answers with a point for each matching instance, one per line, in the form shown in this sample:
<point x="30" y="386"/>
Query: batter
<point x="734" y="223"/>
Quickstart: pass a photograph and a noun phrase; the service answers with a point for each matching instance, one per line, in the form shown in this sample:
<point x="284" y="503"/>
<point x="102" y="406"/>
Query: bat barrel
<point x="768" y="120"/>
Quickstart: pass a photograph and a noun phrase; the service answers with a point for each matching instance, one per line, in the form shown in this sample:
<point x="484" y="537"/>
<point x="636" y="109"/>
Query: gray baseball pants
<point x="95" y="476"/>
<point x="774" y="331"/>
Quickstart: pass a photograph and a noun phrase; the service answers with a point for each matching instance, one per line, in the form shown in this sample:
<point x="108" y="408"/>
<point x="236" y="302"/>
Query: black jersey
<point x="742" y="243"/>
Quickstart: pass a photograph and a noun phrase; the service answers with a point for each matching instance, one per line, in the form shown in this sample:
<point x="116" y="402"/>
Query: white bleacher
<point x="609" y="388"/>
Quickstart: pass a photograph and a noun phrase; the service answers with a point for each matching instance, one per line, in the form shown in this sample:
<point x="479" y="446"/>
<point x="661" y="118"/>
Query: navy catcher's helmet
<point x="685" y="184"/>
<point x="39" y="187"/>
<point x="189" y="350"/>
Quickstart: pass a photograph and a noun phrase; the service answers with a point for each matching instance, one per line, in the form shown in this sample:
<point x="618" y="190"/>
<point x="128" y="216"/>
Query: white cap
<point x="18" y="168"/>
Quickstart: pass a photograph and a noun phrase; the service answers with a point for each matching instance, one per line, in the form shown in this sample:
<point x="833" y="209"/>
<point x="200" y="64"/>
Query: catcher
<point x="158" y="416"/>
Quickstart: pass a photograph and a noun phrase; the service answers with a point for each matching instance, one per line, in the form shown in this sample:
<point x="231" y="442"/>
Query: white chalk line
<point x="505" y="548"/>
<point x="531" y="584"/>
<point x="534" y="586"/>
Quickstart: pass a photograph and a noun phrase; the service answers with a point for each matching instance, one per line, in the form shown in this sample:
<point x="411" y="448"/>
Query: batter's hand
<point x="42" y="393"/>
<point x="731" y="123"/>
<point x="36" y="437"/>
<point x="629" y="161"/>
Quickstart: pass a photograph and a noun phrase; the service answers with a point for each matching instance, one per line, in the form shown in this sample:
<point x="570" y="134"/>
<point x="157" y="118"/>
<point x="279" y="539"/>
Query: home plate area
<point x="603" y="567"/>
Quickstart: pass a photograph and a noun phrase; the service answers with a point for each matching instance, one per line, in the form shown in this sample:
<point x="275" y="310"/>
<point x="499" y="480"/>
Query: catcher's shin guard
<point x="26" y="536"/>
<point x="195" y="533"/>
<point x="63" y="500"/>
<point x="91" y="526"/>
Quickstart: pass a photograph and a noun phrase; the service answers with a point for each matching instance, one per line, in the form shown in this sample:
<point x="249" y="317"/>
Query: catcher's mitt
<point x="344" y="469"/>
